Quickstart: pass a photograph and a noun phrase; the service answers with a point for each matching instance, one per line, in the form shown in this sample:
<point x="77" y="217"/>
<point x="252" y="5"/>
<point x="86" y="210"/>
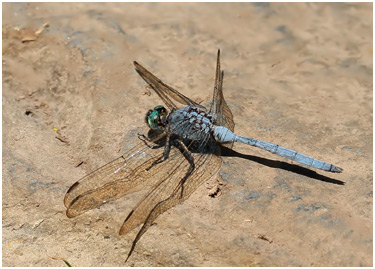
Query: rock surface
<point x="299" y="75"/>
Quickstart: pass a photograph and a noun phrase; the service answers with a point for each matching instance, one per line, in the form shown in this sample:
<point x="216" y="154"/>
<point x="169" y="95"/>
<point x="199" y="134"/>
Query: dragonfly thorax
<point x="190" y="122"/>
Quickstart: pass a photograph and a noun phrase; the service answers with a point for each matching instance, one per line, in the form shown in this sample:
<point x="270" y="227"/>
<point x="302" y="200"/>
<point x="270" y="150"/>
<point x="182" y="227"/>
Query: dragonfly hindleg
<point x="189" y="157"/>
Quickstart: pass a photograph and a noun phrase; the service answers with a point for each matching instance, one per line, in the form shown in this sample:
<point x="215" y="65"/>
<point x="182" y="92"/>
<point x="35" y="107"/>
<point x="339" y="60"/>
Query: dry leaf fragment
<point x="41" y="28"/>
<point x="29" y="35"/>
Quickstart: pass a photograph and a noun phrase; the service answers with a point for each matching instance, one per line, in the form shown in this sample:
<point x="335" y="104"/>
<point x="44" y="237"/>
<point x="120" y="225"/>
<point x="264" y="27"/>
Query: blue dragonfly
<point x="180" y="151"/>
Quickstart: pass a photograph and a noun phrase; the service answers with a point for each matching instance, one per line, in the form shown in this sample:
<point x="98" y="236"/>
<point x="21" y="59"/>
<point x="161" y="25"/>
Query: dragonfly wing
<point x="113" y="180"/>
<point x="163" y="90"/>
<point x="219" y="108"/>
<point x="167" y="193"/>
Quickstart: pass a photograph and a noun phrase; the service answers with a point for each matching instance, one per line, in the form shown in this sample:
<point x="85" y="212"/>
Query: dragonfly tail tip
<point x="337" y="169"/>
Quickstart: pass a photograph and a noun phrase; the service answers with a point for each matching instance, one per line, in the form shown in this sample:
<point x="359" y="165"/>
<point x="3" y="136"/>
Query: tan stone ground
<point x="299" y="75"/>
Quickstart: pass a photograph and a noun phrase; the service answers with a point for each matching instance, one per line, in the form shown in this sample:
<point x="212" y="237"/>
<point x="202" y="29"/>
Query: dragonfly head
<point x="153" y="117"/>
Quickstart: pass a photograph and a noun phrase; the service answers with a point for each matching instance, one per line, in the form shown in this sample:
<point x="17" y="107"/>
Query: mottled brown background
<point x="299" y="75"/>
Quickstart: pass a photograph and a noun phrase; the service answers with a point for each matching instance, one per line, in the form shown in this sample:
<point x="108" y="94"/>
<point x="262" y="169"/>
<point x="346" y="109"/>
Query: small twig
<point x="79" y="164"/>
<point x="41" y="28"/>
<point x="263" y="237"/>
<point x="62" y="140"/>
<point x="60" y="259"/>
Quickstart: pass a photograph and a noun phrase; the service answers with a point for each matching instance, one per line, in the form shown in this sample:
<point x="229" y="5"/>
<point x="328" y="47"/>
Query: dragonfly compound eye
<point x="148" y="115"/>
<point x="153" y="117"/>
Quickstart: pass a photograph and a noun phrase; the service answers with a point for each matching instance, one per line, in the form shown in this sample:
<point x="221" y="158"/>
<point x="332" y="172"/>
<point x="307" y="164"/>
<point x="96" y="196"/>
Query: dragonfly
<point x="180" y="151"/>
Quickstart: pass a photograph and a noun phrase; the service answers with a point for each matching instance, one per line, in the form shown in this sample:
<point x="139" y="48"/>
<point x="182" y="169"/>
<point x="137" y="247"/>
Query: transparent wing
<point x="134" y="169"/>
<point x="167" y="192"/>
<point x="113" y="180"/>
<point x="219" y="108"/>
<point x="163" y="90"/>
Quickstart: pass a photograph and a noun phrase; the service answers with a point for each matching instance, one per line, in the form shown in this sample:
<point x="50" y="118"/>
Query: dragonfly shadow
<point x="281" y="165"/>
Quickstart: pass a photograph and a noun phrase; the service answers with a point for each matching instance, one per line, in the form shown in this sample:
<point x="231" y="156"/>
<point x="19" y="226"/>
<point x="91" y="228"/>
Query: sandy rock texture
<point x="299" y="75"/>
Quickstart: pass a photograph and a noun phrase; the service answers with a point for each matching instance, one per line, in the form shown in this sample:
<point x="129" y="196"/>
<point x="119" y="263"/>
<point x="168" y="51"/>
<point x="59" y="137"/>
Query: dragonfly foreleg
<point x="162" y="158"/>
<point x="147" y="140"/>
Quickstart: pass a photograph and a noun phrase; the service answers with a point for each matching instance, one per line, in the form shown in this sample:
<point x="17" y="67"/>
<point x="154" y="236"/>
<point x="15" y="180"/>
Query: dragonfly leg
<point x="147" y="140"/>
<point x="143" y="137"/>
<point x="189" y="157"/>
<point x="167" y="150"/>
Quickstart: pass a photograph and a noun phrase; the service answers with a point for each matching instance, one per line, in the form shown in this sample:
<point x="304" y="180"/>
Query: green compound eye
<point x="153" y="117"/>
